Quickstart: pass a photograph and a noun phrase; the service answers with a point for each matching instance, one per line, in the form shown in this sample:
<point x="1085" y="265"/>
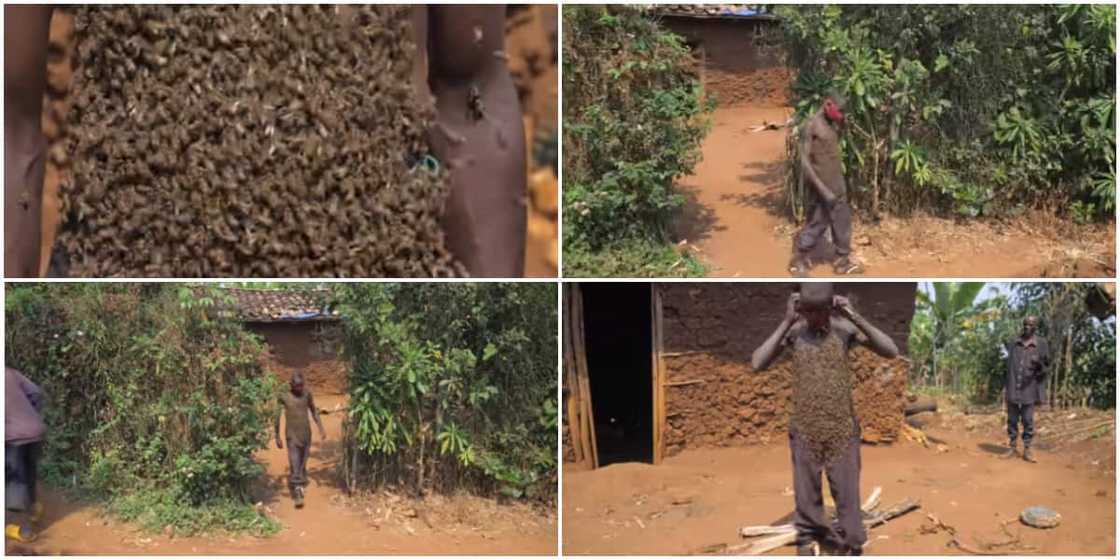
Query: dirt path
<point x="734" y="215"/>
<point x="328" y="523"/>
<point x="701" y="497"/>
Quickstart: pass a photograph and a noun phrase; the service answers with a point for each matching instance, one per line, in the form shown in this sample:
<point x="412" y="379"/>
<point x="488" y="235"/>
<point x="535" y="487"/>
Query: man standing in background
<point x="1027" y="359"/>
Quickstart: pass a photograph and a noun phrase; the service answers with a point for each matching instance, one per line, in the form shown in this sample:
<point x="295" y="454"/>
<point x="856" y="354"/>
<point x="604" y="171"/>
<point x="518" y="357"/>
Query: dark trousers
<point x="297" y="463"/>
<point x="1015" y="414"/>
<point x="21" y="468"/>
<point x="838" y="218"/>
<point x="809" y="516"/>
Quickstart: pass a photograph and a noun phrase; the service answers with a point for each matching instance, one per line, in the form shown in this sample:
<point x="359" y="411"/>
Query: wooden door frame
<point x="581" y="416"/>
<point x="658" y="371"/>
<point x="581" y="419"/>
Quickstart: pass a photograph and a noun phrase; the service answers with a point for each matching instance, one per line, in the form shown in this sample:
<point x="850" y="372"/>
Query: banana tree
<point x="949" y="305"/>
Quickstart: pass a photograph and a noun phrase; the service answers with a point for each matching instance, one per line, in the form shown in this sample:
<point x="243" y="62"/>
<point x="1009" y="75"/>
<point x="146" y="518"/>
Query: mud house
<point x="653" y="369"/>
<point x="738" y="47"/>
<point x="300" y="329"/>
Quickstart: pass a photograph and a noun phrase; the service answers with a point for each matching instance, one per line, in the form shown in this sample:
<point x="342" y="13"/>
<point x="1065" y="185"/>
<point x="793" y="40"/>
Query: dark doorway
<point x="619" y="344"/>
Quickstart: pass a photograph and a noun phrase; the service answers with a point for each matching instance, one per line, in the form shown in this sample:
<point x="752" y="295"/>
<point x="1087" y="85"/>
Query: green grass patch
<point x="153" y="510"/>
<point x="632" y="259"/>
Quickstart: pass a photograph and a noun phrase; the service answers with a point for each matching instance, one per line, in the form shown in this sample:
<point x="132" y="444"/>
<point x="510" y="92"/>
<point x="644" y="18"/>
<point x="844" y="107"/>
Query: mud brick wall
<point x="742" y="59"/>
<point x="303" y="346"/>
<point x="715" y="327"/>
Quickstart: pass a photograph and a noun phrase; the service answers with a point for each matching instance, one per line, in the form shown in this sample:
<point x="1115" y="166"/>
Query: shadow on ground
<point x="993" y="448"/>
<point x="771" y="198"/>
<point x="695" y="222"/>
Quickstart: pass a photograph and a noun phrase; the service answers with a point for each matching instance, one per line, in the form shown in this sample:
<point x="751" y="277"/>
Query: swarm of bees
<point x="822" y="398"/>
<point x="255" y="141"/>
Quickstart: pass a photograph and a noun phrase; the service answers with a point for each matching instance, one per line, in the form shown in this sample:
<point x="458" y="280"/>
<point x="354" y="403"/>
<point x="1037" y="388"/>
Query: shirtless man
<point x="478" y="134"/>
<point x="818" y="330"/>
<point x="296" y="404"/>
<point x="822" y="169"/>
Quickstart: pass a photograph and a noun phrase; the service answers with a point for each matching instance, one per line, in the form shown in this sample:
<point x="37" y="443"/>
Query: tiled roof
<point x="281" y="305"/>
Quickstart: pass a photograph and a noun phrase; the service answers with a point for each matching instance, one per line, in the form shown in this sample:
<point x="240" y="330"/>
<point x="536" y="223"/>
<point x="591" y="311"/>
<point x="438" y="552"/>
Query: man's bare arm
<point x="279" y="413"/>
<point x="315" y="415"/>
<point x="877" y="340"/>
<point x="26" y="35"/>
<point x="764" y="355"/>
<point x="807" y="167"/>
<point x="479" y="137"/>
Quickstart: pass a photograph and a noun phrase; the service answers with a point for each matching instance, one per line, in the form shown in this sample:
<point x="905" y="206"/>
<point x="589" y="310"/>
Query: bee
<point x="475" y="109"/>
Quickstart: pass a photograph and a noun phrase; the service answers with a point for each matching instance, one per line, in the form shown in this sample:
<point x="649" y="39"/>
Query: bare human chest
<point x="825" y="140"/>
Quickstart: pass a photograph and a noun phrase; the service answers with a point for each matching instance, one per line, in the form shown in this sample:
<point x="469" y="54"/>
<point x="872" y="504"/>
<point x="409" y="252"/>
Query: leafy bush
<point x="452" y="386"/>
<point x="153" y="398"/>
<point x="633" y="124"/>
<point x="970" y="109"/>
<point x="957" y="344"/>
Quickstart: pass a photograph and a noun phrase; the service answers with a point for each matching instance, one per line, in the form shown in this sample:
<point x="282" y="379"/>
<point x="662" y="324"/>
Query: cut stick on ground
<point x="1078" y="431"/>
<point x="769" y="543"/>
<point x="899" y="509"/>
<point x="869" y="505"/>
<point x="762" y="546"/>
<point x="873" y="500"/>
<point x="956" y="542"/>
<point x="763" y="530"/>
<point x="914" y="434"/>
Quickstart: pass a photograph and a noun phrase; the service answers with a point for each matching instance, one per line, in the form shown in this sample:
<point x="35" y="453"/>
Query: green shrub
<point x="631" y="259"/>
<point x="1012" y="106"/>
<point x="634" y="120"/>
<point x="451" y="386"/>
<point x="150" y="393"/>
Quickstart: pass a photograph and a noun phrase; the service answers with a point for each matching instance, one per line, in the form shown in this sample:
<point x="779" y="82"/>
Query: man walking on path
<point x="23" y="440"/>
<point x="819" y="329"/>
<point x="297" y="403"/>
<point x="1028" y="356"/>
<point x="822" y="169"/>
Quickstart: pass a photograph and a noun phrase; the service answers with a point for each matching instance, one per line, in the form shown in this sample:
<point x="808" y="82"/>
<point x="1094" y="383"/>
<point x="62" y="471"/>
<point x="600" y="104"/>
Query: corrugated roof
<point x="265" y="305"/>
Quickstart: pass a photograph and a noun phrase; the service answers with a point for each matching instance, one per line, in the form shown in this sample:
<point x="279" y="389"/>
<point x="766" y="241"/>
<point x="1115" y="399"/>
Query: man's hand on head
<point x="844" y="306"/>
<point x="791" y="307"/>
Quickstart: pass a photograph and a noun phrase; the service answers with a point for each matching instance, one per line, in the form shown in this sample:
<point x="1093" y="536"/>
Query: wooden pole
<point x="575" y="428"/>
<point x="658" y="377"/>
<point x="579" y="347"/>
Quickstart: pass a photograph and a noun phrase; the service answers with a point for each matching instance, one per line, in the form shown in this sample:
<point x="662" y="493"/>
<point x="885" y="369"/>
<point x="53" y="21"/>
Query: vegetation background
<point x="965" y="109"/>
<point x="634" y="120"/>
<point x="959" y="329"/>
<point x="157" y="400"/>
<point x="954" y="110"/>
